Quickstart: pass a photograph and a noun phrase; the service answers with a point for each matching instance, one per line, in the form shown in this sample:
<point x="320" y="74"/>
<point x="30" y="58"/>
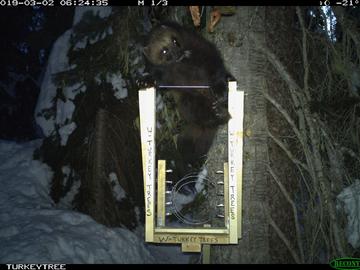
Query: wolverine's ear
<point x="164" y="26"/>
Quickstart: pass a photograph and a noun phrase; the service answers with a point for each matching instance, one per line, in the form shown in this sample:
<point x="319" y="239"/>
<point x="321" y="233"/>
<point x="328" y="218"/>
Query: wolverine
<point x="181" y="61"/>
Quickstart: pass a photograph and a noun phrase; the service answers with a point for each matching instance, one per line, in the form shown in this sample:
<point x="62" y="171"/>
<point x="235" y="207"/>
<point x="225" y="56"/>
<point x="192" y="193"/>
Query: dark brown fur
<point x="180" y="57"/>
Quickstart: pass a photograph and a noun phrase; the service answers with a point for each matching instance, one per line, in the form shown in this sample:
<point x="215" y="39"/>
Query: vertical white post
<point x="235" y="152"/>
<point x="147" y="129"/>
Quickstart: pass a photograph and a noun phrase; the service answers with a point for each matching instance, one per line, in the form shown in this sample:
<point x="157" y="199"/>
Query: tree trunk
<point x="247" y="64"/>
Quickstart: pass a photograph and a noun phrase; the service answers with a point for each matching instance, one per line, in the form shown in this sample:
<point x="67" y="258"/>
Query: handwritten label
<point x="188" y="239"/>
<point x="232" y="176"/>
<point x="149" y="171"/>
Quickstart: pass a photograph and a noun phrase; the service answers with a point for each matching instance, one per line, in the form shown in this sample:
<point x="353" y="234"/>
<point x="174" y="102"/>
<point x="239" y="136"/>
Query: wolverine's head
<point x="164" y="46"/>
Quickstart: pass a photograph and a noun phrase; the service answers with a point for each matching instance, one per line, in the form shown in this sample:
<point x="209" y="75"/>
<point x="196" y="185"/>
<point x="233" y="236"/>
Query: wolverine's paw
<point x="186" y="54"/>
<point x="145" y="82"/>
<point x="221" y="111"/>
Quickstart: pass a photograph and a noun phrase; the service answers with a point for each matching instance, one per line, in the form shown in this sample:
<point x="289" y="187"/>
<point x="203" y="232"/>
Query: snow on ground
<point x="349" y="201"/>
<point x="34" y="231"/>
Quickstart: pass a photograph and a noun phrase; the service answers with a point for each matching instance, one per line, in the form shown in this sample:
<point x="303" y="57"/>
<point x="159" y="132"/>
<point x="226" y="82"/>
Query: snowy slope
<point x="33" y="231"/>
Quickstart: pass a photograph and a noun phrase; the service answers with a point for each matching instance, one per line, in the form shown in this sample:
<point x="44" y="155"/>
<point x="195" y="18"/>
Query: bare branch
<point x="295" y="212"/>
<point x="304" y="53"/>
<point x="288" y="152"/>
<point x="283" y="237"/>
<point x="285" y="75"/>
<point x="286" y="116"/>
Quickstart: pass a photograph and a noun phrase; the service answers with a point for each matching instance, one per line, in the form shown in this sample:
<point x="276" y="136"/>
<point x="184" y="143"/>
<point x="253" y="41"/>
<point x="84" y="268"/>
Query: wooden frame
<point x="191" y="239"/>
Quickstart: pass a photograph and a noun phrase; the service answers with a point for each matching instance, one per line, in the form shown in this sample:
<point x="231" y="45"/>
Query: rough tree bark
<point x="247" y="65"/>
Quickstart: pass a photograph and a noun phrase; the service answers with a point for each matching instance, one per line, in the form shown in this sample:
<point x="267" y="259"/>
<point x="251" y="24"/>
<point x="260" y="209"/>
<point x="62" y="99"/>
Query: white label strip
<point x="147" y="127"/>
<point x="235" y="134"/>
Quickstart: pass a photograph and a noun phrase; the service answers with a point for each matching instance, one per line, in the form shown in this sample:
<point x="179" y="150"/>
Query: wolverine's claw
<point x="145" y="82"/>
<point x="187" y="53"/>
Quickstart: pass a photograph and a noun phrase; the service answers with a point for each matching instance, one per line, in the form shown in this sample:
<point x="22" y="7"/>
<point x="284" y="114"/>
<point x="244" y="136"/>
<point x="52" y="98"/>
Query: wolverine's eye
<point x="164" y="51"/>
<point x="175" y="42"/>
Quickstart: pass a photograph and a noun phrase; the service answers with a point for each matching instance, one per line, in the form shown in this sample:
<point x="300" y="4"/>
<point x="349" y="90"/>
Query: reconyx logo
<point x="345" y="263"/>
